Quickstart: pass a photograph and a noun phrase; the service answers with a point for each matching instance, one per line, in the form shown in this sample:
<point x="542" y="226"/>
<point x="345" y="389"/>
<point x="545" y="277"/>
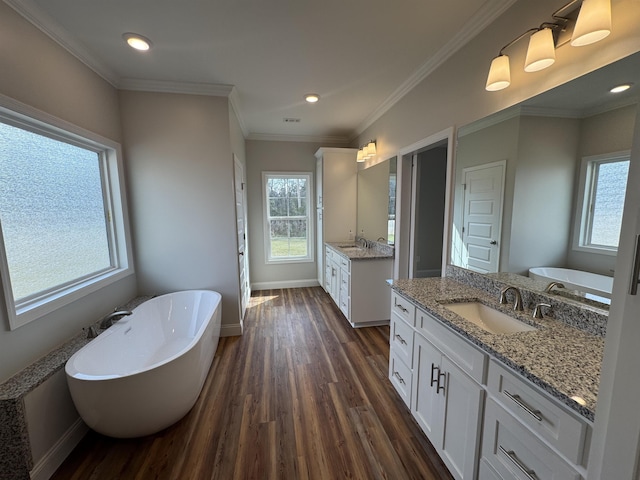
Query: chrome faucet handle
<point x="92" y="332"/>
<point x="537" y="311"/>
<point x="552" y="285"/>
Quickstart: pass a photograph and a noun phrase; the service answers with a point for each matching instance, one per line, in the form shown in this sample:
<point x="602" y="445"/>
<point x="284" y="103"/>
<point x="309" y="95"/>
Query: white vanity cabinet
<point x="526" y="432"/>
<point x="485" y="420"/>
<point x="358" y="287"/>
<point x="440" y="390"/>
<point x="447" y="404"/>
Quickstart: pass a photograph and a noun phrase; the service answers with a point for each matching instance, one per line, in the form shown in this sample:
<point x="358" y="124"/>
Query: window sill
<point x="24" y="313"/>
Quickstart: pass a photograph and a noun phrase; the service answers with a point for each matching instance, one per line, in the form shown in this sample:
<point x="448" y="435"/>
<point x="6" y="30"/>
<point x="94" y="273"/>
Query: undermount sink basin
<point x="487" y="318"/>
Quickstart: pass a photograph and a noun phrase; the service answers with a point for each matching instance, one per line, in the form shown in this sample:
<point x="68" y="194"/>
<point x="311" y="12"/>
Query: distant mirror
<point x="521" y="195"/>
<point x="377" y="201"/>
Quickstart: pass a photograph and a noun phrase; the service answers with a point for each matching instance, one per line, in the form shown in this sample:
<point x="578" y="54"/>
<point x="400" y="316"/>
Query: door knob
<point x="493" y="242"/>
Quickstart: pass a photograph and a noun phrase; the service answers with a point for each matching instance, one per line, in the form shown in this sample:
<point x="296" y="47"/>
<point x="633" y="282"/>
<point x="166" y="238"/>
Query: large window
<point x="61" y="216"/>
<point x="602" y="190"/>
<point x="288" y="224"/>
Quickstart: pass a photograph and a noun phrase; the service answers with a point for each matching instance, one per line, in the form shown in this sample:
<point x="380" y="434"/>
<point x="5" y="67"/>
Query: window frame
<point x="584" y="216"/>
<point x="310" y="257"/>
<point x="32" y="308"/>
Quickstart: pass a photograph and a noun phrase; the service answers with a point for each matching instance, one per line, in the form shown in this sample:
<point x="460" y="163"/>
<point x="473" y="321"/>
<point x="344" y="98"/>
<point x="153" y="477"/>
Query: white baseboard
<point x="231" y="330"/>
<point x="51" y="460"/>
<point x="312" y="282"/>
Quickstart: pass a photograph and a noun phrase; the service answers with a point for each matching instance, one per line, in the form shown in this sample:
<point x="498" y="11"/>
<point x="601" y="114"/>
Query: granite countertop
<point x="562" y="360"/>
<point x="352" y="251"/>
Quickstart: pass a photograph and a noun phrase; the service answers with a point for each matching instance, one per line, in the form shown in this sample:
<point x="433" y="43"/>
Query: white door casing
<point x="482" y="216"/>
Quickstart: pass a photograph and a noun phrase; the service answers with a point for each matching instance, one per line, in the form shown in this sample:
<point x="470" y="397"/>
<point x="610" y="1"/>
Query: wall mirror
<point x="523" y="179"/>
<point x="377" y="201"/>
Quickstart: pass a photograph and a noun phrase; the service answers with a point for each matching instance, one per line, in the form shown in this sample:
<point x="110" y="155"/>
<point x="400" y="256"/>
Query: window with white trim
<point x="603" y="183"/>
<point x="288" y="226"/>
<point x="62" y="217"/>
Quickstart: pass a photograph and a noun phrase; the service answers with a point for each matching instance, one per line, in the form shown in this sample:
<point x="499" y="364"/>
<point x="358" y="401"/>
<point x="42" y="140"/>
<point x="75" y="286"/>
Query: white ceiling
<point x="360" y="56"/>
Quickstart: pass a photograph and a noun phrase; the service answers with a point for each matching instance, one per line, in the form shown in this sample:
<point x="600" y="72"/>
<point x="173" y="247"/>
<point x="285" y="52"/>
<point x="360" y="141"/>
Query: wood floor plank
<point x="301" y="395"/>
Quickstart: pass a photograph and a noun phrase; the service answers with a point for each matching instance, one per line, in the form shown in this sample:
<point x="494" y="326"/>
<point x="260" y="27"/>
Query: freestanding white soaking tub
<point x="599" y="285"/>
<point x="146" y="371"/>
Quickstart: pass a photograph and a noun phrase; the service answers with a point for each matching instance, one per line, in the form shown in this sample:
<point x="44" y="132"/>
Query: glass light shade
<point x="360" y="156"/>
<point x="371" y="149"/>
<point x="312" y="97"/>
<point x="541" y="52"/>
<point x="499" y="74"/>
<point x="593" y="23"/>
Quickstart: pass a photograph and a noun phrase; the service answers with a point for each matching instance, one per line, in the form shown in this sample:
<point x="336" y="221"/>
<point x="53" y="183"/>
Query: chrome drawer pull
<point x="444" y="381"/>
<point x="400" y="306"/>
<point x="511" y="455"/>
<point x="433" y="369"/>
<point x="402" y="340"/>
<point x="516" y="398"/>
<point x="397" y="375"/>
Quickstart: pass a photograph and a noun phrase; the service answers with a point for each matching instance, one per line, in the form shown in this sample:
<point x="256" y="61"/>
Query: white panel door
<point x="241" y="221"/>
<point x="482" y="216"/>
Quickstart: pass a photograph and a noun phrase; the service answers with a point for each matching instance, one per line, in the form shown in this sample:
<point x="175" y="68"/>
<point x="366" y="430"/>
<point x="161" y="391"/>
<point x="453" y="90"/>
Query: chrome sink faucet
<point x="107" y="320"/>
<point x="517" y="302"/>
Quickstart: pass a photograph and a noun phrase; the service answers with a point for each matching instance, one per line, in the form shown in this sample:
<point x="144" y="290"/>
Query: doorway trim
<point x="404" y="220"/>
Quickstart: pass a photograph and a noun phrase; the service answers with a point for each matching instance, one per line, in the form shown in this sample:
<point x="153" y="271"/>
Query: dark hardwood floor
<point x="301" y="395"/>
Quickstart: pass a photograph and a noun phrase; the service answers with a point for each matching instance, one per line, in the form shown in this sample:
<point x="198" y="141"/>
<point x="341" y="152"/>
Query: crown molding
<point x="43" y="22"/>
<point x="161" y="86"/>
<point x="329" y="140"/>
<point x="474" y="26"/>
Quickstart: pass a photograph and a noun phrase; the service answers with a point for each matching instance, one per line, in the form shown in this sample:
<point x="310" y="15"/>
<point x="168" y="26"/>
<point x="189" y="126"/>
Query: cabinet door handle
<point x="511" y="455"/>
<point x="400" y="339"/>
<point x="444" y="381"/>
<point x="400" y="306"/>
<point x="516" y="398"/>
<point x="434" y="367"/>
<point x="397" y="375"/>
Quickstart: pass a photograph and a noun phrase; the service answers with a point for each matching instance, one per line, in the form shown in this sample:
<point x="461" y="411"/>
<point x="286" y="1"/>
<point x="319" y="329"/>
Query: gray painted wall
<point x="180" y="171"/>
<point x="265" y="156"/>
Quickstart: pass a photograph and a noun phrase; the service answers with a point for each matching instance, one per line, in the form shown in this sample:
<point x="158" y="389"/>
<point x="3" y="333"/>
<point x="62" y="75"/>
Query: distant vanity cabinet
<point x="358" y="287"/>
<point x="459" y="397"/>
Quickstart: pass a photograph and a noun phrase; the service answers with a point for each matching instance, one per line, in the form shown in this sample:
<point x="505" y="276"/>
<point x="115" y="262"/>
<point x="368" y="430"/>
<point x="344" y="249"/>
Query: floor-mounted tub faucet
<point x="553" y="284"/>
<point x="517" y="303"/>
<point x="107" y="320"/>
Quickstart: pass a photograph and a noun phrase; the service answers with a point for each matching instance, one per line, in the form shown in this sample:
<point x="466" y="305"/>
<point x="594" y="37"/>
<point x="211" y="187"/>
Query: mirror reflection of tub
<point x="596" y="287"/>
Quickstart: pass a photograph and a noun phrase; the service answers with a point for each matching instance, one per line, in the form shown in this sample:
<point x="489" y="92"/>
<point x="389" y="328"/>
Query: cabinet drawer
<point x="401" y="377"/>
<point x="557" y="426"/>
<point x="486" y="472"/>
<point x="345" y="279"/>
<point x="401" y="339"/>
<point x="514" y="452"/>
<point x="344" y="263"/>
<point x="403" y="308"/>
<point x="467" y="357"/>
<point x="344" y="306"/>
<point x="328" y="254"/>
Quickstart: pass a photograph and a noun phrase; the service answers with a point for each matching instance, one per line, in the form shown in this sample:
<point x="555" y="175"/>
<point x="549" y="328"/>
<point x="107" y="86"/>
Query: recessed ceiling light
<point x="312" y="97"/>
<point x="137" y="41"/>
<point x="621" y="88"/>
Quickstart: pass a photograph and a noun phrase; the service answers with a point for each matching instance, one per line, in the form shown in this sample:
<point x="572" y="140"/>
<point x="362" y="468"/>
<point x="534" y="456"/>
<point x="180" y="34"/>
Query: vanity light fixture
<point x="367" y="151"/>
<point x="137" y="42"/>
<point x="312" y="97"/>
<point x="621" y="88"/>
<point x="593" y="24"/>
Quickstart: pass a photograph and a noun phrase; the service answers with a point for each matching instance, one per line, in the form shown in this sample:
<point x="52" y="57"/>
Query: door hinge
<point x="108" y="216"/>
<point x="242" y="186"/>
